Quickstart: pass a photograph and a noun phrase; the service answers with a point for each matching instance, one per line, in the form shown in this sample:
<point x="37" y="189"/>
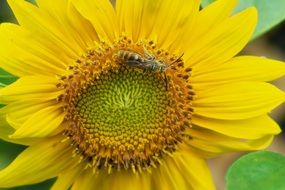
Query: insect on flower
<point x="147" y="62"/>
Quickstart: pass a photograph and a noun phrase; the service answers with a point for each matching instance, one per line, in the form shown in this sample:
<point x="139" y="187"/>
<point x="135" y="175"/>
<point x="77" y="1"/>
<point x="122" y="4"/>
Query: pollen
<point x="123" y="117"/>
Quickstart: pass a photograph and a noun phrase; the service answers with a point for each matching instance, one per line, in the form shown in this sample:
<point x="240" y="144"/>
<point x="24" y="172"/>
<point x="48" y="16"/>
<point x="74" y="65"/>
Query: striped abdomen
<point x="129" y="56"/>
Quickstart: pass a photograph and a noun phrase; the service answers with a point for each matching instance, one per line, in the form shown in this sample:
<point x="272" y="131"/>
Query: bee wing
<point x="135" y="63"/>
<point x="147" y="54"/>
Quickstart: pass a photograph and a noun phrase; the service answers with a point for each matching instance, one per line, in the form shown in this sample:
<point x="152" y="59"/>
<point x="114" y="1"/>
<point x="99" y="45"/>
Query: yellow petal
<point x="87" y="181"/>
<point x="131" y="17"/>
<point x="211" y="16"/>
<point x="242" y="68"/>
<point x="223" y="42"/>
<point x="214" y="144"/>
<point x="43" y="26"/>
<point x="72" y="24"/>
<point x="169" y="176"/>
<point x="30" y="87"/>
<point x="32" y="57"/>
<point x="67" y="178"/>
<point x="183" y="171"/>
<point x="117" y="180"/>
<point x="240" y="100"/>
<point x="6" y="131"/>
<point x="18" y="112"/>
<point x="196" y="170"/>
<point x="42" y="123"/>
<point x="37" y="163"/>
<point x="101" y="14"/>
<point x="252" y="128"/>
<point x="127" y="180"/>
<point x="146" y="19"/>
<point x="206" y="20"/>
<point x="169" y="23"/>
<point x="84" y="28"/>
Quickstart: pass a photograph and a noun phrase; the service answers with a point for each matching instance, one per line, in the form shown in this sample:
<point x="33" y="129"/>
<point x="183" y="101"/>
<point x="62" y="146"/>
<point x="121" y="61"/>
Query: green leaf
<point x="6" y="78"/>
<point x="257" y="171"/>
<point x="270" y="13"/>
<point x="32" y="1"/>
<point x="205" y="3"/>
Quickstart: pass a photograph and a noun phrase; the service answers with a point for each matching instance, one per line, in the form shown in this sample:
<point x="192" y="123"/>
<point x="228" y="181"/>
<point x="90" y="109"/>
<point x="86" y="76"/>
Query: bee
<point x="131" y="58"/>
<point x="147" y="62"/>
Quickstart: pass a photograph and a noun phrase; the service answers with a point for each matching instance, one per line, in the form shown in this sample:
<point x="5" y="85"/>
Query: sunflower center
<point x="123" y="116"/>
<point x="123" y="105"/>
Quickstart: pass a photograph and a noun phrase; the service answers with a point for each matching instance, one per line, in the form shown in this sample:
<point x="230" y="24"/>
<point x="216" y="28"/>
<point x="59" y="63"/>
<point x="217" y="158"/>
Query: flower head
<point x="131" y="96"/>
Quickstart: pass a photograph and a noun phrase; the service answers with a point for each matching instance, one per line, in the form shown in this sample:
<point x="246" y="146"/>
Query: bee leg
<point x="166" y="82"/>
<point x="146" y="71"/>
<point x="147" y="54"/>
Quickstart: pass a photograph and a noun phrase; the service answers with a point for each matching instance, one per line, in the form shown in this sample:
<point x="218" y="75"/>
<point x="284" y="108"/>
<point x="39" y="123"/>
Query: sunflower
<point x="135" y="95"/>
